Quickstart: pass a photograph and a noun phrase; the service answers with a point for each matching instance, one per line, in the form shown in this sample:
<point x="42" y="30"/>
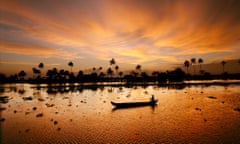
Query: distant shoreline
<point x="117" y="84"/>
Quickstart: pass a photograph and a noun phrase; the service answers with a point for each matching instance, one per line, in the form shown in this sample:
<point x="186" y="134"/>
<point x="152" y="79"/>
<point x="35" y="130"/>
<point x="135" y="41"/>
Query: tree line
<point x="113" y="74"/>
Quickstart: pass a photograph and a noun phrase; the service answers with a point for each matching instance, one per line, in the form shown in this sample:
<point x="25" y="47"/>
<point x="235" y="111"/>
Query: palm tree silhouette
<point x="70" y="64"/>
<point x="94" y="69"/>
<point x="41" y="66"/>
<point x="223" y="64"/>
<point x="193" y="61"/>
<point x="112" y="61"/>
<point x="120" y="74"/>
<point x="22" y="74"/>
<point x="187" y="64"/>
<point x="200" y="61"/>
<point x="138" y="68"/>
<point x="116" y="69"/>
<point x="36" y="71"/>
<point x="109" y="72"/>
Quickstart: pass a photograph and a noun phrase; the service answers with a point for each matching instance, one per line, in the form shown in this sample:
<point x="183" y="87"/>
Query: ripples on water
<point x="84" y="114"/>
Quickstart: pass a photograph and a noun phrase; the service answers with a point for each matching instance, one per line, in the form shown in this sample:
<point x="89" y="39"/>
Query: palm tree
<point x="187" y="64"/>
<point x="112" y="61"/>
<point x="120" y="74"/>
<point x="200" y="61"/>
<point x="109" y="71"/>
<point x="36" y="71"/>
<point x="41" y="66"/>
<point x="70" y="64"/>
<point x="94" y="69"/>
<point x="100" y="68"/>
<point x="138" y="68"/>
<point x="223" y="63"/>
<point x="22" y="74"/>
<point x="193" y="61"/>
<point x="116" y="69"/>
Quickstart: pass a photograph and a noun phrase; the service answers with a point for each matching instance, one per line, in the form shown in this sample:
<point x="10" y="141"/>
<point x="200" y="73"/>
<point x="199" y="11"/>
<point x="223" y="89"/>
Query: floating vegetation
<point x="198" y="109"/>
<point x="41" y="99"/>
<point x="22" y="91"/>
<point x="4" y="99"/>
<point x="27" y="98"/>
<point x="212" y="97"/>
<point x="2" y="119"/>
<point x="55" y="122"/>
<point x="39" y="115"/>
<point x="237" y="109"/>
<point x="49" y="105"/>
<point x="34" y="108"/>
<point x="26" y="113"/>
<point x="65" y="98"/>
<point x="2" y="108"/>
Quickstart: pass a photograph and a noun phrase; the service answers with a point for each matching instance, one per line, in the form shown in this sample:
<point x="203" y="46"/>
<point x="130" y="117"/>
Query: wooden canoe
<point x="134" y="104"/>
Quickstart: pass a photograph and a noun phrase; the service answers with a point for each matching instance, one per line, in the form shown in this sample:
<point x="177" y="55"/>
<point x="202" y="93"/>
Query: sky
<point x="157" y="34"/>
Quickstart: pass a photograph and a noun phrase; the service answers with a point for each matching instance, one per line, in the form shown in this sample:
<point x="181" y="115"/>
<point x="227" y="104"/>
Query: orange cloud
<point x="7" y="46"/>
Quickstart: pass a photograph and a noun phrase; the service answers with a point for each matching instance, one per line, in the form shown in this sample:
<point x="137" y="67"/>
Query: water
<point x="84" y="114"/>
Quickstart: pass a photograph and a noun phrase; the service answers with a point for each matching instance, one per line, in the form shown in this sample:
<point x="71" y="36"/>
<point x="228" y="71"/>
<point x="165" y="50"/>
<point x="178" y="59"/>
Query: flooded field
<point x="84" y="114"/>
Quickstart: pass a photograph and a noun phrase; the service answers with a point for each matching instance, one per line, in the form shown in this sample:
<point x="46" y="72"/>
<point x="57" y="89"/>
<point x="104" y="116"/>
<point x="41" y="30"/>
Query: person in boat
<point x="152" y="99"/>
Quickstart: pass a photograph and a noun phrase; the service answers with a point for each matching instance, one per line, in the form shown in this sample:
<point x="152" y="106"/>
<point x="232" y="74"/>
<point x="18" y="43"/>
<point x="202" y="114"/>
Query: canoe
<point x="134" y="104"/>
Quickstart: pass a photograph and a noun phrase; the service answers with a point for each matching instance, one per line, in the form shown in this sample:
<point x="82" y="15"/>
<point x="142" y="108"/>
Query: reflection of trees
<point x="2" y="90"/>
<point x="51" y="89"/>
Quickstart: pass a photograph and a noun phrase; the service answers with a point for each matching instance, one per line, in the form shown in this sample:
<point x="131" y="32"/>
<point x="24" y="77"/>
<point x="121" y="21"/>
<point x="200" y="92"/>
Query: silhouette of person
<point x="152" y="99"/>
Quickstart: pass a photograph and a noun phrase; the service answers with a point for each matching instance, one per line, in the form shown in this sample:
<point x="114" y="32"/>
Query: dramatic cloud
<point x="32" y="49"/>
<point x="131" y="31"/>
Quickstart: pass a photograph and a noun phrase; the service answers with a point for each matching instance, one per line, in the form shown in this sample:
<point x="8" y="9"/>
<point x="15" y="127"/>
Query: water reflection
<point x="84" y="114"/>
<point x="61" y="89"/>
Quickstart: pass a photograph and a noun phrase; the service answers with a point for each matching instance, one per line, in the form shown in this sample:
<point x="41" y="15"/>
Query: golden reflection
<point x="44" y="113"/>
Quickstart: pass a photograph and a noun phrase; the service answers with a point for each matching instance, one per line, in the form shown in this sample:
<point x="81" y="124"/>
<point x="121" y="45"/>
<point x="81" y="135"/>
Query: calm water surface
<point x="84" y="114"/>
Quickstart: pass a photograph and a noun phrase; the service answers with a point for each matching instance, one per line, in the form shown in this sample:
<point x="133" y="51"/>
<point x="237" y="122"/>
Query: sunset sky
<point x="157" y="34"/>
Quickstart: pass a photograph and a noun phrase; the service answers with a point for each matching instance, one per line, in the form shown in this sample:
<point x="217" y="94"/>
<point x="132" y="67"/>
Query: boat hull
<point x="133" y="104"/>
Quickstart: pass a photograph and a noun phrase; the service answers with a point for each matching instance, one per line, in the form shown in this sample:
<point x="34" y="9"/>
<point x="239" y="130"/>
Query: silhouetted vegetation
<point x="113" y="74"/>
